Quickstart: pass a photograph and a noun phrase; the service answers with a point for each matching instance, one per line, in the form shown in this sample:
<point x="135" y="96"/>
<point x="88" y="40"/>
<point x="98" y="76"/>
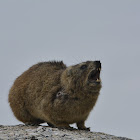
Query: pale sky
<point x="76" y="31"/>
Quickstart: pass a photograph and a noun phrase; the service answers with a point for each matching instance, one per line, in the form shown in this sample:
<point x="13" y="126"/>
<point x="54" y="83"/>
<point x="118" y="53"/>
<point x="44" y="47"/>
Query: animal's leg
<point x="81" y="126"/>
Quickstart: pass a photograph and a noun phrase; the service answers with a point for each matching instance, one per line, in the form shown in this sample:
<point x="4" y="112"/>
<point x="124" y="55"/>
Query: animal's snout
<point x="98" y="64"/>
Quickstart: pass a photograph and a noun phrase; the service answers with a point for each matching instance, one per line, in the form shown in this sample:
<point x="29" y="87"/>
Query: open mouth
<point x="94" y="76"/>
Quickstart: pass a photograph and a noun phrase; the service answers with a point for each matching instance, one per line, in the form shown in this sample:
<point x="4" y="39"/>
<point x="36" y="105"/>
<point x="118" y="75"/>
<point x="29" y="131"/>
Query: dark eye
<point x="83" y="67"/>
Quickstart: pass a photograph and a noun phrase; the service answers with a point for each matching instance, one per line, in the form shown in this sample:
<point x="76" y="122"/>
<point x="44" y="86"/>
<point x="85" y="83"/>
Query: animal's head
<point x="83" y="77"/>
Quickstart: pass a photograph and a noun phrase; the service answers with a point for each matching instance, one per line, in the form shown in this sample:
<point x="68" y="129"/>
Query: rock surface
<point x="22" y="132"/>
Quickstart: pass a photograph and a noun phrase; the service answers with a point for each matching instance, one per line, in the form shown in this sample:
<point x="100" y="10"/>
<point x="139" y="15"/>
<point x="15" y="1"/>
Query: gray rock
<point x="22" y="132"/>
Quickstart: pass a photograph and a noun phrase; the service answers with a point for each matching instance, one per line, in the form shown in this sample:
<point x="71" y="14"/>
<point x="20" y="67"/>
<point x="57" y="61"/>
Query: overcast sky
<point x="74" y="31"/>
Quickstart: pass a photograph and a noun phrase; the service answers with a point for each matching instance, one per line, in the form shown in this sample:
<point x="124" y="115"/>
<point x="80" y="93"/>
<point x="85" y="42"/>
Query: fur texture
<point x="53" y="93"/>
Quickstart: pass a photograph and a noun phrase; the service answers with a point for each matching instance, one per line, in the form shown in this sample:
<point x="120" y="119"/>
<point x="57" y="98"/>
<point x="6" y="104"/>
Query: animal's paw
<point x="68" y="128"/>
<point x="86" y="128"/>
<point x="32" y="124"/>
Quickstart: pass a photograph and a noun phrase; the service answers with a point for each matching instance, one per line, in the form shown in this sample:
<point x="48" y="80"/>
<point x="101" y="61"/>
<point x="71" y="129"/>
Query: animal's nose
<point x="98" y="64"/>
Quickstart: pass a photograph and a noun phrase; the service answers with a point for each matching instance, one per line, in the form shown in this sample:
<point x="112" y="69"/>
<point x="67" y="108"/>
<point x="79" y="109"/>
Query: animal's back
<point x="31" y="87"/>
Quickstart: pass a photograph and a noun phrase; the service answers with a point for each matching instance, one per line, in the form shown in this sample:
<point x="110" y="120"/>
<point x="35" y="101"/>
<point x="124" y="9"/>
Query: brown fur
<point x="53" y="93"/>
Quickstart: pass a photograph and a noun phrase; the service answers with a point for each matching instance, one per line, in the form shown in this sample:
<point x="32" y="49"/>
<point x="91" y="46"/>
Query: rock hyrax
<point x="53" y="93"/>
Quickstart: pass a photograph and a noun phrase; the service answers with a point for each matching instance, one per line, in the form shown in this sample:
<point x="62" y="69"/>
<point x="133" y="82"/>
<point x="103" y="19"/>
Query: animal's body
<point x="53" y="93"/>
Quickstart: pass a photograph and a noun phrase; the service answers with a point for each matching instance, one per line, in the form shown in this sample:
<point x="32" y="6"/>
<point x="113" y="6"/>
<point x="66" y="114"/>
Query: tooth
<point x="98" y="80"/>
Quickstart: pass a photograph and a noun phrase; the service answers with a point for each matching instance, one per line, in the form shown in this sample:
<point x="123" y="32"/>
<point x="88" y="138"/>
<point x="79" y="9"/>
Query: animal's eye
<point x="83" y="67"/>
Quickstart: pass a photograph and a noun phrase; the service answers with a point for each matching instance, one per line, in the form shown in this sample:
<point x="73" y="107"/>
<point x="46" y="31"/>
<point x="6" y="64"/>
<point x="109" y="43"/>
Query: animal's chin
<point x="94" y="77"/>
